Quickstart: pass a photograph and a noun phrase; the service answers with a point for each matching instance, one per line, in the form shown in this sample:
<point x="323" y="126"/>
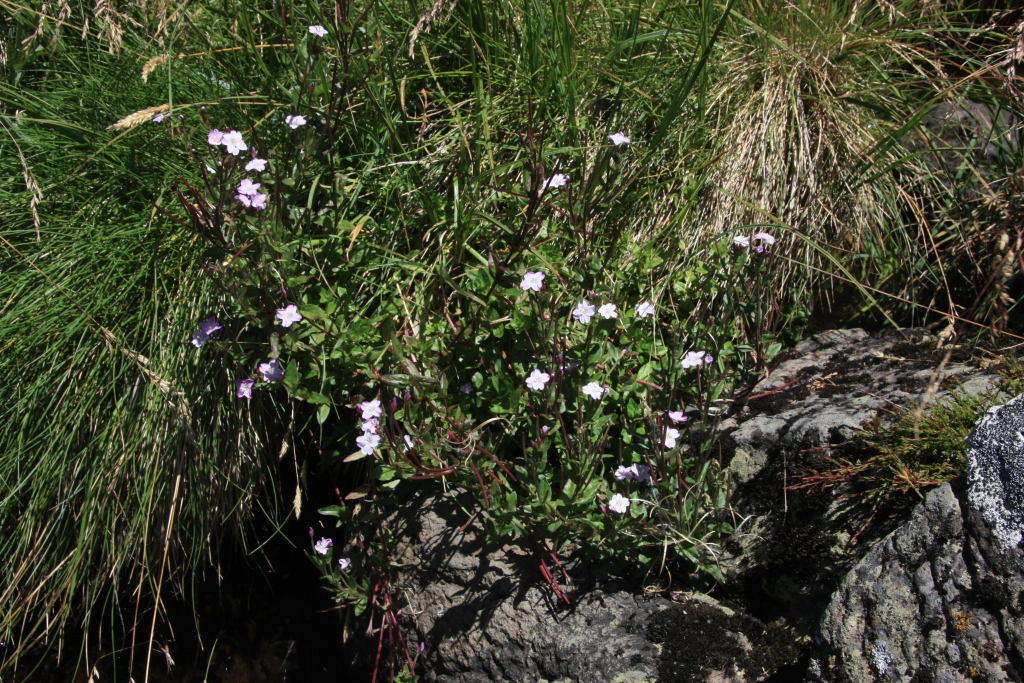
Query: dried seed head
<point x="140" y="116"/>
<point x="153" y="64"/>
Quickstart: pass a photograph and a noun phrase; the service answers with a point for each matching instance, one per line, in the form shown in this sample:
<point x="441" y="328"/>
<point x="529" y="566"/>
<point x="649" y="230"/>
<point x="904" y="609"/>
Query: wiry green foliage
<point x="111" y="418"/>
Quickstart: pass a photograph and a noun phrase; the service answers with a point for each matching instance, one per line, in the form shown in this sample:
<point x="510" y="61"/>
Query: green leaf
<point x="322" y="412"/>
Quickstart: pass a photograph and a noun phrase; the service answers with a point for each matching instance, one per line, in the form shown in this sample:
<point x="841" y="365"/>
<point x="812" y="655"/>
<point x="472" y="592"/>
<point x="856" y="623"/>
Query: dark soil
<point x="267" y="620"/>
<point x="697" y="639"/>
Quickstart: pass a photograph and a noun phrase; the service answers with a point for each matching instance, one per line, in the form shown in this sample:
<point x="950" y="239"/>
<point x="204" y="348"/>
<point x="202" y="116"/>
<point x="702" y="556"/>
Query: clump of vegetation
<point x="913" y="448"/>
<point x="518" y="248"/>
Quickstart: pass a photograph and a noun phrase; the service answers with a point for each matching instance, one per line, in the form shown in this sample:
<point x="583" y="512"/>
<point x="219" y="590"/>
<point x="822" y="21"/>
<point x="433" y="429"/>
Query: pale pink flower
<point x="258" y="165"/>
<point x="595" y="390"/>
<point x="623" y="473"/>
<point x="537" y="380"/>
<point x="644" y="309"/>
<point x="215" y="137"/>
<point x="245" y="199"/>
<point x="295" y="121"/>
<point x="584" y="311"/>
<point x="259" y="201"/>
<point x="741" y="241"/>
<point x="288" y="315"/>
<point x="534" y="281"/>
<point x="619" y="503"/>
<point x="557" y="180"/>
<point x="318" y="30"/>
<point x="243" y="388"/>
<point x="692" y="359"/>
<point x="323" y="545"/>
<point x="344" y="563"/>
<point x="676" y="416"/>
<point x="367" y="442"/>
<point x="765" y="237"/>
<point x="233" y="142"/>
<point x="248" y="187"/>
<point x="619" y="139"/>
<point x="271" y="370"/>
<point x="371" y="409"/>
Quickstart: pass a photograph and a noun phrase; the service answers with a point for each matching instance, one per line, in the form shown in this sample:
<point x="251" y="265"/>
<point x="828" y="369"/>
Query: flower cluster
<point x="206" y="328"/>
<point x="370" y="439"/>
<point x="231" y="140"/>
<point x="641" y="473"/>
<point x="765" y="240"/>
<point x="249" y="194"/>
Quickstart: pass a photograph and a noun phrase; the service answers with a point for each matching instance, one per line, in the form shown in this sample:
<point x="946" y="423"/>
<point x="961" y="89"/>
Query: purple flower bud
<point x="394" y="403"/>
<point x="311" y="534"/>
<point x="423" y="646"/>
<point x="708" y="360"/>
<point x="181" y="117"/>
<point x="312" y="85"/>
<point x="408" y="395"/>
<point x="544" y="429"/>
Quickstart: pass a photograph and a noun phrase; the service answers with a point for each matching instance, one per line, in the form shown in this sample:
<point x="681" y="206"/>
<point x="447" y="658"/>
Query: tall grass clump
<point x="123" y="461"/>
<point x="818" y="113"/>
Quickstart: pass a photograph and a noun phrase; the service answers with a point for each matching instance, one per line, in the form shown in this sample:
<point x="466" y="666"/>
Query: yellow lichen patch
<point x="963" y="622"/>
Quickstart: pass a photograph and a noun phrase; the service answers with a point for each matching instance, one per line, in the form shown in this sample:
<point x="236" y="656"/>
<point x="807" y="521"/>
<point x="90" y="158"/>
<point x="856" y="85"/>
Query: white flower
<point x="160" y="118"/>
<point x="619" y="503"/>
<point x="670" y="437"/>
<point x="595" y="390"/>
<point x="233" y="142"/>
<point x="295" y="121"/>
<point x="371" y="409"/>
<point x="209" y="169"/>
<point x="370" y="426"/>
<point x="765" y="237"/>
<point x="619" y="139"/>
<point x="584" y="311"/>
<point x="322" y="545"/>
<point x="676" y="416"/>
<point x="409" y="445"/>
<point x="256" y="165"/>
<point x="532" y="281"/>
<point x="692" y="359"/>
<point x="644" y="309"/>
<point x="741" y="241"/>
<point x="557" y="180"/>
<point x="318" y="30"/>
<point x="367" y="442"/>
<point x="607" y="311"/>
<point x="537" y="380"/>
<point x="344" y="563"/>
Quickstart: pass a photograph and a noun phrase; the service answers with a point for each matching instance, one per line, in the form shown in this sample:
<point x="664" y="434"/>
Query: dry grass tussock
<point x="794" y="134"/>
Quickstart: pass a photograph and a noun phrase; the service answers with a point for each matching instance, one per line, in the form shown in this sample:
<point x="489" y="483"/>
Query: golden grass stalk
<point x="154" y="63"/>
<point x="139" y="117"/>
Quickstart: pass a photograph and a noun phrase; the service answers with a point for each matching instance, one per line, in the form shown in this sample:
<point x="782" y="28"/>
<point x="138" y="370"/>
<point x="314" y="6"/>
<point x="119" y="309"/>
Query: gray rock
<point x="942" y="597"/>
<point x="485" y="614"/>
<point x="995" y="462"/>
